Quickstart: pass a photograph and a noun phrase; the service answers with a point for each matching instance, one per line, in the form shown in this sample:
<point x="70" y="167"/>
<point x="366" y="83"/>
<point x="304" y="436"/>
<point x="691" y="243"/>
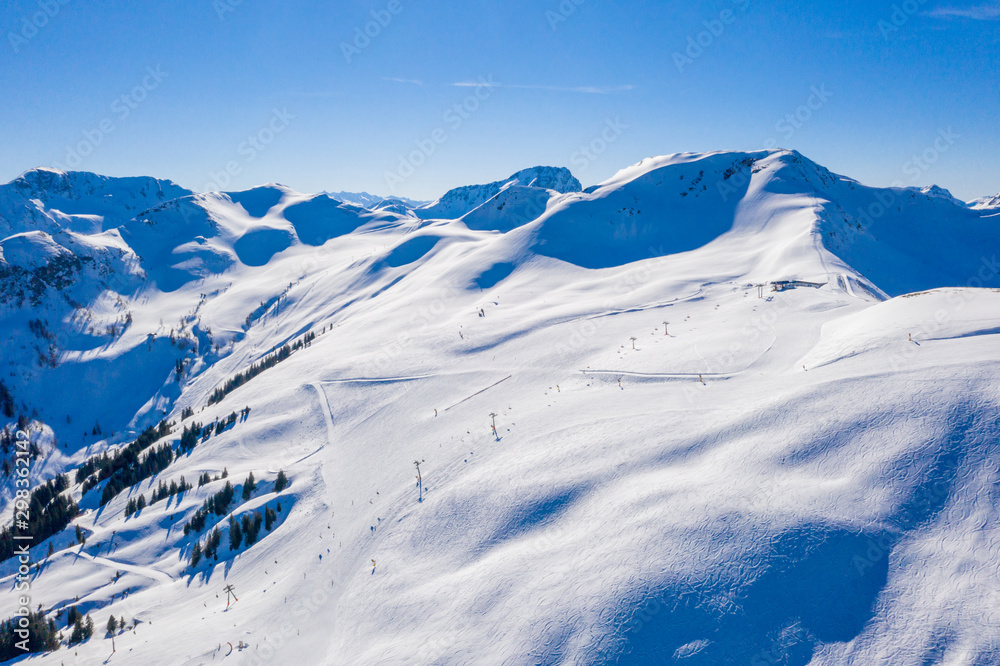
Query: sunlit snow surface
<point x="807" y="476"/>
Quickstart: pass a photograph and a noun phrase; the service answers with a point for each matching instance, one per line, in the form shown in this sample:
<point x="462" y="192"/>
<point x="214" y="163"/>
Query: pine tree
<point x="270" y="516"/>
<point x="112" y="625"/>
<point x="251" y="527"/>
<point x="88" y="629"/>
<point x="196" y="554"/>
<point x="212" y="544"/>
<point x="281" y="482"/>
<point x="77" y="635"/>
<point x="235" y="534"/>
<point x="248" y="487"/>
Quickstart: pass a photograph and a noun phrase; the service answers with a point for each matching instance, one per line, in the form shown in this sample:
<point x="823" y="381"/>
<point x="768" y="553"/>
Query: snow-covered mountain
<point x="721" y="408"/>
<point x="366" y="200"/>
<point x="986" y="202"/>
<point x="461" y="200"/>
<point x="49" y="199"/>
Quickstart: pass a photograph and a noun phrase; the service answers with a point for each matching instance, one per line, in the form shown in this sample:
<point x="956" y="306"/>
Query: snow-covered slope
<point x="641" y="441"/>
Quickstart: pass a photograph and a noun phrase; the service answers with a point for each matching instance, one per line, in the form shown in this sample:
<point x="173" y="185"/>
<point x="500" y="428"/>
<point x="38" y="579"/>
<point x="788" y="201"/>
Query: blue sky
<point x="227" y="94"/>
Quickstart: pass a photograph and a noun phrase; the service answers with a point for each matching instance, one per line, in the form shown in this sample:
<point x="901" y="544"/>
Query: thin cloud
<point x="989" y="11"/>
<point x="587" y="90"/>
<point x="416" y="82"/>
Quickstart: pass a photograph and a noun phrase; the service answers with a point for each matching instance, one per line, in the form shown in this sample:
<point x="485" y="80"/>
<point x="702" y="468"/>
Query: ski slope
<point x="686" y="468"/>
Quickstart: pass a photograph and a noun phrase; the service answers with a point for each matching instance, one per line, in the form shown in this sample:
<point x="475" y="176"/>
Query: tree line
<point x="49" y="512"/>
<point x="260" y="366"/>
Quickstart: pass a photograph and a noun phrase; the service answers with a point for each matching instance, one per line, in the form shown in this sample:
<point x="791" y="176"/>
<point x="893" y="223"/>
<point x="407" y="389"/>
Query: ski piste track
<point x="148" y="572"/>
<point x="661" y="376"/>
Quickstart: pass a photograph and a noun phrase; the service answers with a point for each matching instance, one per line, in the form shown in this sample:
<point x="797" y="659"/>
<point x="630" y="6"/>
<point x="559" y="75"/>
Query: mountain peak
<point x="461" y="200"/>
<point x="559" y="179"/>
<point x="986" y="202"/>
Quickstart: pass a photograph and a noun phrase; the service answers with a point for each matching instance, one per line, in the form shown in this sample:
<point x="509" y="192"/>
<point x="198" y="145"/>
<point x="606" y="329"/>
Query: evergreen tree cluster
<point x="164" y="491"/>
<point x="154" y="462"/>
<point x="6" y="401"/>
<point x="190" y="436"/>
<point x="242" y="531"/>
<point x="49" y="512"/>
<point x="281" y="482"/>
<point x="207" y="478"/>
<point x="187" y="413"/>
<point x="7" y="440"/>
<point x="196" y="554"/>
<point x="98" y="468"/>
<point x="42" y="636"/>
<point x="212" y="542"/>
<point x="40" y="329"/>
<point x="82" y="630"/>
<point x="235" y="534"/>
<point x="249" y="486"/>
<point x="220" y="426"/>
<point x="251" y="527"/>
<point x="196" y="432"/>
<point x="135" y="505"/>
<point x="269" y="361"/>
<point x="217" y="504"/>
